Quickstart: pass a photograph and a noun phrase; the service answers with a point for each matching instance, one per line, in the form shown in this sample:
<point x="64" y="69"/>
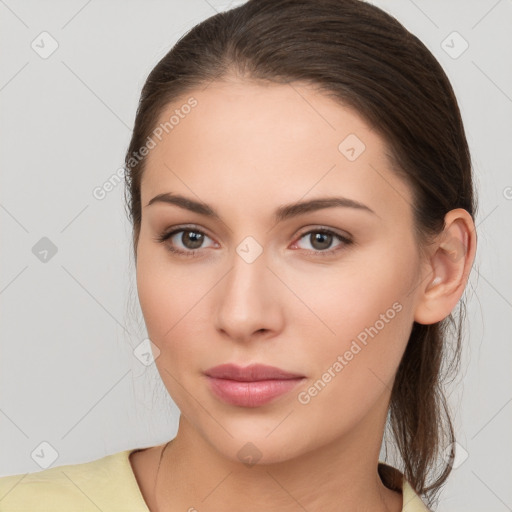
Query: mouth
<point x="251" y="373"/>
<point x="252" y="386"/>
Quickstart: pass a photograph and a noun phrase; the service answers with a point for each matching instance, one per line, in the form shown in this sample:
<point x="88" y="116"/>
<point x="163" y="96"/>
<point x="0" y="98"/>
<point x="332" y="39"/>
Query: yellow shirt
<point x="107" y="484"/>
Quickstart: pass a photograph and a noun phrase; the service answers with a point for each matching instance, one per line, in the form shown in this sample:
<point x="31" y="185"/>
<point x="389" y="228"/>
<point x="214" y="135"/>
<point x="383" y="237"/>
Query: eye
<point x="190" y="239"/>
<point x="322" y="239"/>
<point x="186" y="241"/>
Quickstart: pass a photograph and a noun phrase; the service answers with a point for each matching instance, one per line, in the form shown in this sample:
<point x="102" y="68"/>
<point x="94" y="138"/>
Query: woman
<point x="299" y="183"/>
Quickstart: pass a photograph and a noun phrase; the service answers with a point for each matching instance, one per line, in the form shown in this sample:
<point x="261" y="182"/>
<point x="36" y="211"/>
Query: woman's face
<point x="336" y="307"/>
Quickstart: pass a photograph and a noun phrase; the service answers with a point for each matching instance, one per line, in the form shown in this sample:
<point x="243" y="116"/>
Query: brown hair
<point x="365" y="59"/>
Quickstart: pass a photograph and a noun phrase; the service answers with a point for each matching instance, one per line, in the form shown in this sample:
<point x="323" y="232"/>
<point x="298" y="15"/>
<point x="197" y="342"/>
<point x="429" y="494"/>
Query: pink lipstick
<point x="250" y="386"/>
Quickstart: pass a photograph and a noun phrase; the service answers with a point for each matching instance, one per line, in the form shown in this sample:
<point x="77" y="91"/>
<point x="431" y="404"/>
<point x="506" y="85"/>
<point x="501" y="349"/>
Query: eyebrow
<point x="282" y="213"/>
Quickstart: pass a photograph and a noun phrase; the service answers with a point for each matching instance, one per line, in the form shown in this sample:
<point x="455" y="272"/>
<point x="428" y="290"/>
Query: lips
<point x="251" y="373"/>
<point x="252" y="386"/>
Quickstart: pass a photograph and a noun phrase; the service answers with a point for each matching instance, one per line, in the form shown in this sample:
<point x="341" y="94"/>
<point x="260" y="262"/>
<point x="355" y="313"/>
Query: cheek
<point x="351" y="369"/>
<point x="169" y="300"/>
<point x="162" y="292"/>
<point x="363" y="312"/>
<point x="173" y="300"/>
<point x="347" y="299"/>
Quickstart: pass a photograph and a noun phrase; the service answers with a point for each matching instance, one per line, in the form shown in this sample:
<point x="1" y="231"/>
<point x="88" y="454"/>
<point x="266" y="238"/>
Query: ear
<point x="447" y="272"/>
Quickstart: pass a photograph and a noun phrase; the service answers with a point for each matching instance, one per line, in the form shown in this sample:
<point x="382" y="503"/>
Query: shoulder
<point x="411" y="500"/>
<point x="106" y="484"/>
<point x="395" y="480"/>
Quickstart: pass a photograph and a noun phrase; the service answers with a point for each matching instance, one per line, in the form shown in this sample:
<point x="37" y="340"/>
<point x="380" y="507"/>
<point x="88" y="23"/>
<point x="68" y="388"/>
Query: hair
<point x="362" y="57"/>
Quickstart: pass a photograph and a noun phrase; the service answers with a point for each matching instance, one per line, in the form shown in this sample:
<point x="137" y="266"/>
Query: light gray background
<point x="68" y="375"/>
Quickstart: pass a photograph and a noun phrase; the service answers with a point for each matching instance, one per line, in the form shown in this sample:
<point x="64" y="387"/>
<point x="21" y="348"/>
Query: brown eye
<point x="321" y="241"/>
<point x="191" y="239"/>
<point x="183" y="241"/>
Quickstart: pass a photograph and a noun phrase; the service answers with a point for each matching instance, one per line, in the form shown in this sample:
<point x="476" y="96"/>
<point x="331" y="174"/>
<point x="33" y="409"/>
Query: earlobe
<point x="450" y="263"/>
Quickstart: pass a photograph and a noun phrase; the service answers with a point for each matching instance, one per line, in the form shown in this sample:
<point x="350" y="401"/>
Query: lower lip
<point x="251" y="394"/>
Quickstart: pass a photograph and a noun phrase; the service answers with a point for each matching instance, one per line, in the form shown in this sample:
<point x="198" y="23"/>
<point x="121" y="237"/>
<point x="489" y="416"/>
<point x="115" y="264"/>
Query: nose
<point x="249" y="299"/>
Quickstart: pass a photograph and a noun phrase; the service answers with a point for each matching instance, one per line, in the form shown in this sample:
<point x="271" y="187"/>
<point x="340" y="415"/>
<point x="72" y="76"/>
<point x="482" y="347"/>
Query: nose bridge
<point x="247" y="295"/>
<point x="249" y="269"/>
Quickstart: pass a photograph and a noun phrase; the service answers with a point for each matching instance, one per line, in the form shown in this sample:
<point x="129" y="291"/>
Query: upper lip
<point x="251" y="373"/>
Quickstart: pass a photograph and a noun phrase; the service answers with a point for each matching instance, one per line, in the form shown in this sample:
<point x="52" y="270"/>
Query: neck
<point x="340" y="476"/>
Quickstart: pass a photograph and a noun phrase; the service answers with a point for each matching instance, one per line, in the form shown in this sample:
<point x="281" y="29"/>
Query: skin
<point x="246" y="149"/>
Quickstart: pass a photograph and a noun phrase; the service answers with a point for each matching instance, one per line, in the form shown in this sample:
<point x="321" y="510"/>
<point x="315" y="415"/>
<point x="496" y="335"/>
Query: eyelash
<point x="168" y="234"/>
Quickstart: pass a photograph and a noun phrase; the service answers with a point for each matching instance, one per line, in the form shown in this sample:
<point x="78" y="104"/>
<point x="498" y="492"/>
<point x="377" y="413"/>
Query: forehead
<point x="245" y="139"/>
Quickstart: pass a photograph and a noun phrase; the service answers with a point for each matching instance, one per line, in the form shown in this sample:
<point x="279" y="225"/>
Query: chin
<point x="257" y="450"/>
